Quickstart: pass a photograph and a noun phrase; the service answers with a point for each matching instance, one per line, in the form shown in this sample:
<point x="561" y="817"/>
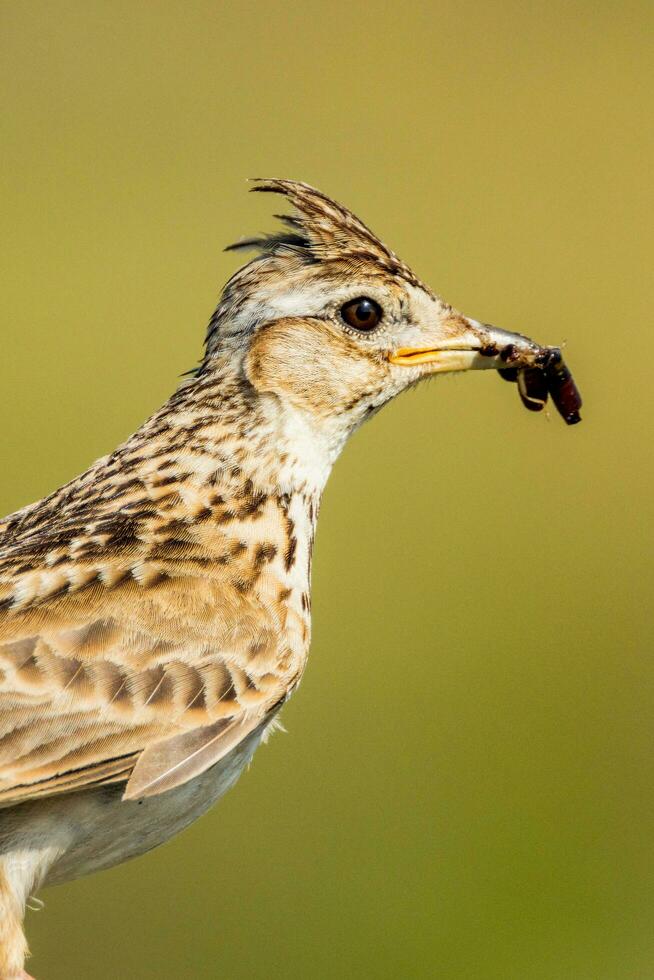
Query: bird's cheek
<point x="303" y="363"/>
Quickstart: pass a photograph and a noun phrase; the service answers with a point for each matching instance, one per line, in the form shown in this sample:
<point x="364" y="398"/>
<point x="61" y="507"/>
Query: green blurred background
<point x="466" y="788"/>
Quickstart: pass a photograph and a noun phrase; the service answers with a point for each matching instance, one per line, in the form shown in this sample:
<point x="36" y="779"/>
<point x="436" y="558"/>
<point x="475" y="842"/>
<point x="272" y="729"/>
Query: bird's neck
<point x="216" y="434"/>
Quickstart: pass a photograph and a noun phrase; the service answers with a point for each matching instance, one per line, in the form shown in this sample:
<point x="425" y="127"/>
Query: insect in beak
<point x="549" y="376"/>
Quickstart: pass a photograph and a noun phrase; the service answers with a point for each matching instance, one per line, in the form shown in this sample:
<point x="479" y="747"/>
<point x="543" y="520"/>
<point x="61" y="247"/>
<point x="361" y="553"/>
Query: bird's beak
<point x="471" y="345"/>
<point x="463" y="343"/>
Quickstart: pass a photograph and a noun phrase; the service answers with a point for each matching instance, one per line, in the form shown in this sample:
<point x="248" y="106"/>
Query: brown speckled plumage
<point x="155" y="612"/>
<point x="152" y="596"/>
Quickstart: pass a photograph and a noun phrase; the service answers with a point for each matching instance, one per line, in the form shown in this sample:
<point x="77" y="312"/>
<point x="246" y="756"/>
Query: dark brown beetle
<point x="549" y="375"/>
<point x="562" y="387"/>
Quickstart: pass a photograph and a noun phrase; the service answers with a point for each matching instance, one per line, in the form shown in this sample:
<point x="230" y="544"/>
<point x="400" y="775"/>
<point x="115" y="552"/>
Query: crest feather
<point x="320" y="229"/>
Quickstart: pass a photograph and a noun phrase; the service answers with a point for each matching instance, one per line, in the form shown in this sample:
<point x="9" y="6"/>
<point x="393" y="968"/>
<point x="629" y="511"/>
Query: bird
<point x="155" y="612"/>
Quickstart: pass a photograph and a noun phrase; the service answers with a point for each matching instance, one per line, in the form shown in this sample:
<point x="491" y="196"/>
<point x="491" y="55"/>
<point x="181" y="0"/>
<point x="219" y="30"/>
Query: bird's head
<point x="331" y="324"/>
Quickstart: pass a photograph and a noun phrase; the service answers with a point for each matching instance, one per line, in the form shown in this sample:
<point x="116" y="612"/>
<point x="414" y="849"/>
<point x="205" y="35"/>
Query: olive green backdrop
<point x="466" y="788"/>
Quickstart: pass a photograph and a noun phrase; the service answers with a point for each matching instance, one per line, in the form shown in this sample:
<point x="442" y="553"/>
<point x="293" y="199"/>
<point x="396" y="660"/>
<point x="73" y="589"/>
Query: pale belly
<point x="96" y="829"/>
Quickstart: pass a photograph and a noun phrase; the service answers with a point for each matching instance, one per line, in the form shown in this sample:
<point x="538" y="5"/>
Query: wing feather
<point x="175" y="760"/>
<point x="131" y="708"/>
<point x="127" y="654"/>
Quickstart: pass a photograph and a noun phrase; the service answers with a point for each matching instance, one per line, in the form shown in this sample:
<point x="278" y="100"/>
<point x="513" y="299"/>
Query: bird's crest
<point x="320" y="230"/>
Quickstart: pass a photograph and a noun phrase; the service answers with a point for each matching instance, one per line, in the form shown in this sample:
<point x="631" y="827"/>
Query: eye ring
<point x="362" y="313"/>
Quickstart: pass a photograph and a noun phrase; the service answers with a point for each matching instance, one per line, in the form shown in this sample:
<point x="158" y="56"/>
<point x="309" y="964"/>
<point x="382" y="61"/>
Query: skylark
<point x="155" y="612"/>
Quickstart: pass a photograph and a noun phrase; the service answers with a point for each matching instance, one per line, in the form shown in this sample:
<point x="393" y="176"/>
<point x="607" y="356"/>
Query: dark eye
<point x="362" y="313"/>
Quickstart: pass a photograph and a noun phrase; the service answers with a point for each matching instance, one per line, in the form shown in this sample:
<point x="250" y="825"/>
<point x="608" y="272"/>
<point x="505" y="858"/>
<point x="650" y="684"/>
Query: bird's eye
<point x="362" y="313"/>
